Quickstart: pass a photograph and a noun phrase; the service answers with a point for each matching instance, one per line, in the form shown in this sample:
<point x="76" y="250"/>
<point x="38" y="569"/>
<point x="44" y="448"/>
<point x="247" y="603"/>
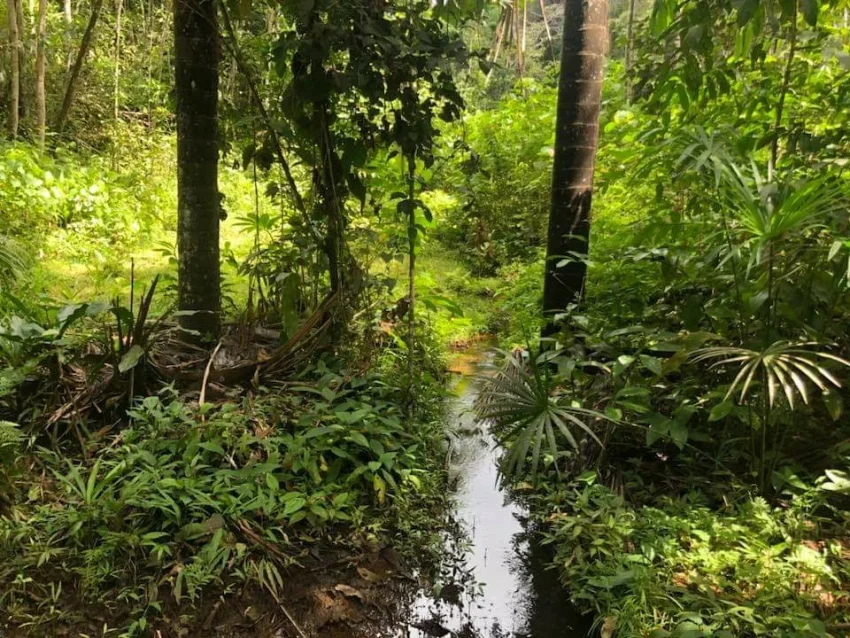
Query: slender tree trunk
<point x="40" y="97"/>
<point x="331" y="203"/>
<point x="196" y="88"/>
<point x="69" y="21"/>
<point x="501" y="29"/>
<point x="500" y="34"/>
<point x="73" y="79"/>
<point x="411" y="273"/>
<point x="520" y="58"/>
<point x="119" y="7"/>
<point x="22" y="58"/>
<point x="583" y="51"/>
<point x="524" y="25"/>
<point x="780" y="106"/>
<point x="15" y="71"/>
<point x="548" y="30"/>
<point x="630" y="41"/>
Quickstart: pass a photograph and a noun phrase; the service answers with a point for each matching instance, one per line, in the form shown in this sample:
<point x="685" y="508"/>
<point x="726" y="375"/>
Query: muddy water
<point x="494" y="583"/>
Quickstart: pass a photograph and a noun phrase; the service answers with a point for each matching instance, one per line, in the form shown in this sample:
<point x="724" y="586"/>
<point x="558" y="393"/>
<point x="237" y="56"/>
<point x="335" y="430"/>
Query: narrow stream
<point x="497" y="584"/>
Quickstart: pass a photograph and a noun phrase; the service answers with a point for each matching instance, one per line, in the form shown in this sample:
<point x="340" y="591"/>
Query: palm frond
<point x="525" y="411"/>
<point x="783" y="365"/>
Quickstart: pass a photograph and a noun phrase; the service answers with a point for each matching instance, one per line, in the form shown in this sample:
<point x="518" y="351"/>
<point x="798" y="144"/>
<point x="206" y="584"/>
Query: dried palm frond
<point x="785" y="365"/>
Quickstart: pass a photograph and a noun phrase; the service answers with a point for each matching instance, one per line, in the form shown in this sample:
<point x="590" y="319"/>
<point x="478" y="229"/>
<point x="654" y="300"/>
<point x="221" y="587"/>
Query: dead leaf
<point x="349" y="592"/>
<point x="608" y="627"/>
<point x="368" y="575"/>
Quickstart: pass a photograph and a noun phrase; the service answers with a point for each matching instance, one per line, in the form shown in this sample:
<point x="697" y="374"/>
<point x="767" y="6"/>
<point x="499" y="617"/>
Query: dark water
<point x="496" y="584"/>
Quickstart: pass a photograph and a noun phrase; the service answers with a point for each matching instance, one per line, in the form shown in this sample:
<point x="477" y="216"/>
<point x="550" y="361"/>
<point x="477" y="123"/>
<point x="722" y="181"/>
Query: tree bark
<point x="583" y="52"/>
<point x="196" y="87"/>
<point x="15" y="71"/>
<point x="73" y="79"/>
<point x="40" y="97"/>
<point x="630" y="41"/>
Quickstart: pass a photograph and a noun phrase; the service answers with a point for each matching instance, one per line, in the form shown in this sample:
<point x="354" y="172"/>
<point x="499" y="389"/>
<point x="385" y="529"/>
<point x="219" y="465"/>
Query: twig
<point x="290" y="618"/>
<point x="207" y="374"/>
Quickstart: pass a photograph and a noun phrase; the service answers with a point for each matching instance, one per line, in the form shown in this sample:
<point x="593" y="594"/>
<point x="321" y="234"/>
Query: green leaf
<point x="294" y="505"/>
<point x="834" y="404"/>
<point x="679" y="433"/>
<point x="272" y="482"/>
<point x="380" y="487"/>
<point x="361" y="440"/>
<point x="131" y="359"/>
<point x="653" y="364"/>
<point x="810" y="11"/>
<point x="377" y="447"/>
<point x="720" y="411"/>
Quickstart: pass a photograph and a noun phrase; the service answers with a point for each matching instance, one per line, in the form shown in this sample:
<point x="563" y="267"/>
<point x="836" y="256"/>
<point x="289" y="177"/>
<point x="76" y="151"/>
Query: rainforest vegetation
<point x="242" y="242"/>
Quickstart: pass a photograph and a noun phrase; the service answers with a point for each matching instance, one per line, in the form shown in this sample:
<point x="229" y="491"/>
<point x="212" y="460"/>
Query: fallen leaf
<point x="349" y="592"/>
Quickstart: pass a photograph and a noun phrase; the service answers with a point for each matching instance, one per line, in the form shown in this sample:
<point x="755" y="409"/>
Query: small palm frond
<point x="759" y="209"/>
<point x="521" y="403"/>
<point x="785" y="365"/>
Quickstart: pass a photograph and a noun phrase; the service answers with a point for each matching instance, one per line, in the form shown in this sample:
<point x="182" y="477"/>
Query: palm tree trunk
<point x="585" y="41"/>
<point x="196" y="88"/>
<point x="73" y="79"/>
<point x="15" y="71"/>
<point x="40" y="97"/>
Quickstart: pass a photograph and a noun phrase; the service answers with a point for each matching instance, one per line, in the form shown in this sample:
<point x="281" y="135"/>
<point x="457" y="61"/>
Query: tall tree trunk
<point x="15" y="71"/>
<point x="73" y="79"/>
<point x="196" y="87"/>
<point x="630" y="43"/>
<point x="585" y="41"/>
<point x="40" y="97"/>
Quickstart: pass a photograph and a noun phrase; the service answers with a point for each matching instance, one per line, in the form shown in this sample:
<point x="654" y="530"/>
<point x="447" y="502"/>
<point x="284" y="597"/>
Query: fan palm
<point x="760" y="210"/>
<point x="784" y="365"/>
<point x="525" y="410"/>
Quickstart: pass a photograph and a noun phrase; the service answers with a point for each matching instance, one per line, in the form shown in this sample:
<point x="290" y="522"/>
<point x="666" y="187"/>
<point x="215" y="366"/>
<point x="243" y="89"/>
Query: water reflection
<point x="495" y="581"/>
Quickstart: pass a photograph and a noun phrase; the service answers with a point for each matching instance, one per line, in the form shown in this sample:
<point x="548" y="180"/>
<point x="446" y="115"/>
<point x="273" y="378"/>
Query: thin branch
<point x="233" y="49"/>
